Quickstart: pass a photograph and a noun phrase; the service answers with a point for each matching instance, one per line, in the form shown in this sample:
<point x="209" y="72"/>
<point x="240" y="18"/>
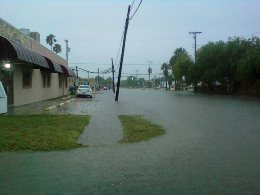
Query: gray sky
<point x="94" y="27"/>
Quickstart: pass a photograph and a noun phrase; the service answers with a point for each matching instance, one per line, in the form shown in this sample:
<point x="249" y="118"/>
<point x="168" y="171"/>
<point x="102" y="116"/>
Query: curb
<point x="60" y="104"/>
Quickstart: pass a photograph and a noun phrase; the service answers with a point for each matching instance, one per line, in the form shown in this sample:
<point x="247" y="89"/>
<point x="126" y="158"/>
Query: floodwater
<point x="211" y="146"/>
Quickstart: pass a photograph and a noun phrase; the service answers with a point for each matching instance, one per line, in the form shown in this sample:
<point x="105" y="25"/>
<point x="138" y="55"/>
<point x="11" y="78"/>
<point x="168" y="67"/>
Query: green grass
<point x="137" y="129"/>
<point x="40" y="132"/>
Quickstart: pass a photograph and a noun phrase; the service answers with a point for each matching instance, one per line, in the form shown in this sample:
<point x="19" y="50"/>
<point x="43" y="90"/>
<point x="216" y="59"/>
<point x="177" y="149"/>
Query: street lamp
<point x="7" y="66"/>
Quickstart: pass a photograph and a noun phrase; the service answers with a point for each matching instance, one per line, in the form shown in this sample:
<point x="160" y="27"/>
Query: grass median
<point x="40" y="132"/>
<point x="137" y="129"/>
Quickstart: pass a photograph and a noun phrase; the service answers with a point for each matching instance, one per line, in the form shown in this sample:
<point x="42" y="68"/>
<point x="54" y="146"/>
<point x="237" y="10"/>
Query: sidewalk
<point x="104" y="127"/>
<point x="41" y="107"/>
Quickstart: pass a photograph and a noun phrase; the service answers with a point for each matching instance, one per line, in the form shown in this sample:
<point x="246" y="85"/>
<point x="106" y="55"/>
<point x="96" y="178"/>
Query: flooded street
<point x="211" y="146"/>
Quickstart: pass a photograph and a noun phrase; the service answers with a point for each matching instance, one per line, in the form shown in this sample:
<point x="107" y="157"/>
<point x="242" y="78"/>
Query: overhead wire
<point x="232" y="14"/>
<point x="238" y="11"/>
<point x="119" y="49"/>
<point x="136" y="64"/>
<point x="133" y="4"/>
<point x="136" y="10"/>
<point x="241" y="26"/>
<point x="251" y="34"/>
<point x="116" y="62"/>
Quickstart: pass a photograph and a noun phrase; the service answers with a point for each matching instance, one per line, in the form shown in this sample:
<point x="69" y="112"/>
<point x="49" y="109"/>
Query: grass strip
<point x="40" y="132"/>
<point x="137" y="129"/>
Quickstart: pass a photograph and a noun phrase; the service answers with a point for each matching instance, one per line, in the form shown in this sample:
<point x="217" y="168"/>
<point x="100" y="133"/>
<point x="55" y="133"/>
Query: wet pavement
<point x="104" y="127"/>
<point x="211" y="146"/>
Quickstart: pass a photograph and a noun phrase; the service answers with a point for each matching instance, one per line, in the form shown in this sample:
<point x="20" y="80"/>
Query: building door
<point x="6" y="78"/>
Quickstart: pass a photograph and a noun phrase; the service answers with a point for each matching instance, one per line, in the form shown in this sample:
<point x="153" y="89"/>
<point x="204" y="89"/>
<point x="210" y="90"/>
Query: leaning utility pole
<point x="98" y="79"/>
<point x="195" y="39"/>
<point x="149" y="72"/>
<point x="113" y="76"/>
<point x="122" y="54"/>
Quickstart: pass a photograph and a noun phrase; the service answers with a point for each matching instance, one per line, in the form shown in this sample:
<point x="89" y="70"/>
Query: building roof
<point x="11" y="50"/>
<point x="14" y="51"/>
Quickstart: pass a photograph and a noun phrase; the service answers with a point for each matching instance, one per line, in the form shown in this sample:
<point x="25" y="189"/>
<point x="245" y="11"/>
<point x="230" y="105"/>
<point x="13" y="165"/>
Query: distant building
<point x="25" y="31"/>
<point x="35" y="36"/>
<point x="29" y="71"/>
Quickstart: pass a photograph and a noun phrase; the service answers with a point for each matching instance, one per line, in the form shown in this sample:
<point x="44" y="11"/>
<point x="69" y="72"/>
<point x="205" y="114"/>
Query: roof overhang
<point x="54" y="66"/>
<point x="68" y="72"/>
<point x="12" y="50"/>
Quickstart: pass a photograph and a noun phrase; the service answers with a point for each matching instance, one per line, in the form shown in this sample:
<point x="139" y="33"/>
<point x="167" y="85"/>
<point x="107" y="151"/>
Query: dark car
<point x="72" y="90"/>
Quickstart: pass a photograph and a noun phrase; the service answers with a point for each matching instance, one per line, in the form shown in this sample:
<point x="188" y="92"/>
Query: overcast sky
<point x="94" y="27"/>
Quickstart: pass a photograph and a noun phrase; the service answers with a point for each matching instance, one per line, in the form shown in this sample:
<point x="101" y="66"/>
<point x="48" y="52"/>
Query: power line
<point x="104" y="64"/>
<point x="241" y="26"/>
<point x="233" y="14"/>
<point x="251" y="34"/>
<point x="133" y="4"/>
<point x="119" y="49"/>
<point x="136" y="10"/>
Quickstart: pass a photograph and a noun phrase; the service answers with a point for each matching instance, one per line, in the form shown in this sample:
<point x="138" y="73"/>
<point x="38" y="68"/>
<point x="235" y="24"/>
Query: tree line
<point x="231" y="66"/>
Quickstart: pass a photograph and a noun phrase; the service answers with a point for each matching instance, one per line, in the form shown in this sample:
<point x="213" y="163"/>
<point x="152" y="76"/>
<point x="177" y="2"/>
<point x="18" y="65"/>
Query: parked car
<point x="72" y="90"/>
<point x="84" y="90"/>
<point x="105" y="88"/>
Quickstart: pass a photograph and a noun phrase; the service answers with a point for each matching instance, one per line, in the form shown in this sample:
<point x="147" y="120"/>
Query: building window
<point x="46" y="79"/>
<point x="27" y="78"/>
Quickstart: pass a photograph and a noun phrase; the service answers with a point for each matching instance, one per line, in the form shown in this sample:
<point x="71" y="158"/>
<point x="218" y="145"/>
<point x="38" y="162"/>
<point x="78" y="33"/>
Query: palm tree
<point x="165" y="68"/>
<point x="57" y="48"/>
<point x="50" y="39"/>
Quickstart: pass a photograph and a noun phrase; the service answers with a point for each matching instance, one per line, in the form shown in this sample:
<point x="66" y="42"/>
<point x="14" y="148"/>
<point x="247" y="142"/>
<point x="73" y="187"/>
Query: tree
<point x="233" y="65"/>
<point x="182" y="68"/>
<point x="57" y="48"/>
<point x="141" y="82"/>
<point x="165" y="68"/>
<point x="50" y="39"/>
<point x="209" y="59"/>
<point x="132" y="81"/>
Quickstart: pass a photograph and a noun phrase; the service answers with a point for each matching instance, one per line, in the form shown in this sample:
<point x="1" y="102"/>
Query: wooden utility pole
<point x="98" y="80"/>
<point x="195" y="46"/>
<point x="113" y="76"/>
<point x="122" y="54"/>
<point x="195" y="54"/>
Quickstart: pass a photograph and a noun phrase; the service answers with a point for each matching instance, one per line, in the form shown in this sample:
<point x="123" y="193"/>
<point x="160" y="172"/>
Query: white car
<point x="84" y="90"/>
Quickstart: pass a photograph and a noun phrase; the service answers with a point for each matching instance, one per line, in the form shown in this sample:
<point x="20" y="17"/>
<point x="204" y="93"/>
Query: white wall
<point x="36" y="92"/>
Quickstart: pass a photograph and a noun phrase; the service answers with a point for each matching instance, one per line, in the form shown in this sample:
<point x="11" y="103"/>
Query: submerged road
<point x="211" y="146"/>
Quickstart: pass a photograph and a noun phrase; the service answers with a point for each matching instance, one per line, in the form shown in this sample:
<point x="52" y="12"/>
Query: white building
<point x="35" y="74"/>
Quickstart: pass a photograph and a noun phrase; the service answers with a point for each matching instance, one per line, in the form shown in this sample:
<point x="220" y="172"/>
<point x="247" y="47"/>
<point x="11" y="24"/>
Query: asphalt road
<point x="211" y="147"/>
